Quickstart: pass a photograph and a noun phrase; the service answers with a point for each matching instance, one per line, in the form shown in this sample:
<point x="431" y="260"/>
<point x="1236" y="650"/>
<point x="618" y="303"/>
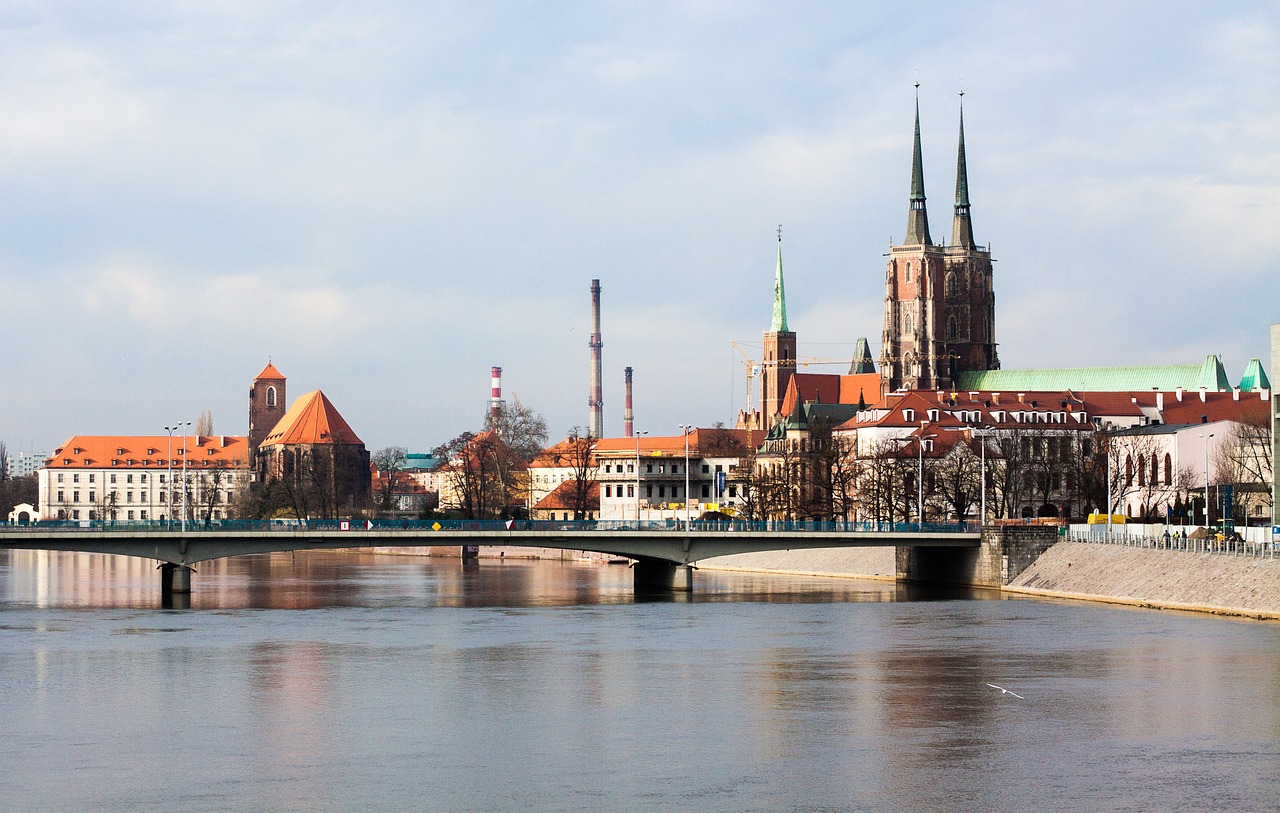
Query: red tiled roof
<point x="150" y="451"/>
<point x="562" y="498"/>
<point x="269" y="371"/>
<point x="312" y="419"/>
<point x="829" y="388"/>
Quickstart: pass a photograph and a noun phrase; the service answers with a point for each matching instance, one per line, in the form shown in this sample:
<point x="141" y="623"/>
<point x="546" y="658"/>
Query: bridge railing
<point x="515" y="526"/>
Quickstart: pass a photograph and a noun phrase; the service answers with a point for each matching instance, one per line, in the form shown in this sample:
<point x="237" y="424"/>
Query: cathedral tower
<point x="266" y="406"/>
<point x="939" y="307"/>
<point x="779" y="352"/>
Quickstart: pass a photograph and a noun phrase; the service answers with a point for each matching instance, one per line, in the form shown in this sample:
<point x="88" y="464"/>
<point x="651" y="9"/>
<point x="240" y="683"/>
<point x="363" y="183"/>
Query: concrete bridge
<point x="664" y="552"/>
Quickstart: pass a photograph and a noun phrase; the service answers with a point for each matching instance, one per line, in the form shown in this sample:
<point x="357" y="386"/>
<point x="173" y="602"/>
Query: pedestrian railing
<point x="515" y="526"/>
<point x="1227" y="546"/>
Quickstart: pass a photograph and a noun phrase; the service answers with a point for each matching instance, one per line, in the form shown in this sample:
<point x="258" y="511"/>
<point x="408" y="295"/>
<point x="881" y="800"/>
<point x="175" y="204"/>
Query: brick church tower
<point x="939" y="305"/>
<point x="779" y="362"/>
<point x="266" y="406"/>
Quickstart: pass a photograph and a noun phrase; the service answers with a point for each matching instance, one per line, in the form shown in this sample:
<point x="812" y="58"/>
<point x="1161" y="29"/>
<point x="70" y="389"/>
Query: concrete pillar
<point x="658" y="574"/>
<point x="174" y="578"/>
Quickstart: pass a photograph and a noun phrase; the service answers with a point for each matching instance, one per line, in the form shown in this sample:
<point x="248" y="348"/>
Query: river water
<point x="347" y="682"/>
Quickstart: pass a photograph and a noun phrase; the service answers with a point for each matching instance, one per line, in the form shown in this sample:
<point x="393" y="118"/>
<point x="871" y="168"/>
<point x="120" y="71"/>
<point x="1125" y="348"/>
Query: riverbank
<point x="1113" y="574"/>
<point x="1164" y="579"/>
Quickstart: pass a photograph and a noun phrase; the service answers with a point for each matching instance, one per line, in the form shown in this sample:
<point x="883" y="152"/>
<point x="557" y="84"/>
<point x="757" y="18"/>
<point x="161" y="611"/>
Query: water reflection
<point x="319" y="579"/>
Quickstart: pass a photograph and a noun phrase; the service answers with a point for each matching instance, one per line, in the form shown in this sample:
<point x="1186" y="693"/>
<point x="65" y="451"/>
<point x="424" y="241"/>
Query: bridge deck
<point x="676" y="545"/>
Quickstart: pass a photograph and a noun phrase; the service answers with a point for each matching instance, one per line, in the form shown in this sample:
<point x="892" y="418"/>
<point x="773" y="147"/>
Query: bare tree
<point x="1243" y="458"/>
<point x="390" y="463"/>
<point x="204" y="424"/>
<point x="583" y="471"/>
<point x="522" y="429"/>
<point x="958" y="480"/>
<point x="4" y="461"/>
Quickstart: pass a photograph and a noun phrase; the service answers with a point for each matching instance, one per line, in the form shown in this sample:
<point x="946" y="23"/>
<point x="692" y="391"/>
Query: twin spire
<point x="917" y="218"/>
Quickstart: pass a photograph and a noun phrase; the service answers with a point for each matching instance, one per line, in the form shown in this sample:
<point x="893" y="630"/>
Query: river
<point x="329" y="681"/>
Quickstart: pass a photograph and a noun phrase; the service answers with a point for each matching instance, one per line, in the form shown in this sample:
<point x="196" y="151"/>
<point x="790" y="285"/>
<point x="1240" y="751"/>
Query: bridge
<point x="664" y="551"/>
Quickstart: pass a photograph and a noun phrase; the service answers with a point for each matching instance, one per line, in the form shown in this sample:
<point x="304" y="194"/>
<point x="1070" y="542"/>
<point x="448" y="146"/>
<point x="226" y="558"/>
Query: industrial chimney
<point x="595" y="402"/>
<point x="495" y="396"/>
<point x="628" y="419"/>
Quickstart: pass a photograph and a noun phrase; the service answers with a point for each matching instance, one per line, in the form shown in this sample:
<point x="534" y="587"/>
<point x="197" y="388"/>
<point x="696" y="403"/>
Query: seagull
<point x="1006" y="691"/>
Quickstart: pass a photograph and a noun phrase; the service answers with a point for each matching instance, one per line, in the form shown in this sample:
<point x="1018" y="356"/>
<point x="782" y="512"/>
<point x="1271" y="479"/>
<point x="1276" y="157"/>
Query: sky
<point x="387" y="198"/>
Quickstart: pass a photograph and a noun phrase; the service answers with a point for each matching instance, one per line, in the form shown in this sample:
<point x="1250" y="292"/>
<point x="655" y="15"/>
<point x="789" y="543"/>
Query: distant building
<point x="25" y="463"/>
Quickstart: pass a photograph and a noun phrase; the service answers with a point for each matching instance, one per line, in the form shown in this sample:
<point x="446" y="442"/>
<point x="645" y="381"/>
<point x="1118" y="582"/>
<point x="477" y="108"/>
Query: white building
<point x="139" y="479"/>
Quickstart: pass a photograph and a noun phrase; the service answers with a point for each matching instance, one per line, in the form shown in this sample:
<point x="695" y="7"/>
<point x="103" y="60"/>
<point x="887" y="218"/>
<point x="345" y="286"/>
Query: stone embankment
<point x="1171" y="579"/>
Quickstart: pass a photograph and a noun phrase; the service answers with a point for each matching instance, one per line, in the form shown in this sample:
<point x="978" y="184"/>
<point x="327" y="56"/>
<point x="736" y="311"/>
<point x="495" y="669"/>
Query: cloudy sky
<point x="388" y="198"/>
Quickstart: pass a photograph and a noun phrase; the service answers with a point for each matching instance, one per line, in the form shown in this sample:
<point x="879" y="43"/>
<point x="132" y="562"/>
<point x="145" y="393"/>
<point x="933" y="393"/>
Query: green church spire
<point x="961" y="225"/>
<point x="917" y="218"/>
<point x="779" y="324"/>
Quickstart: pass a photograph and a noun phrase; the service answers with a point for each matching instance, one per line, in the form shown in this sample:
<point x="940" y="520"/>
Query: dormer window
<point x="933" y="414"/>
<point x="909" y="415"/>
<point x="928" y="445"/>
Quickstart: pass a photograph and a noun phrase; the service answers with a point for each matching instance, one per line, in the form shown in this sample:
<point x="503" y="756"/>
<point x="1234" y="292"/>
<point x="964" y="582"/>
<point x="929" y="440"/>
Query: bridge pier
<point x="659" y="574"/>
<point x="175" y="579"/>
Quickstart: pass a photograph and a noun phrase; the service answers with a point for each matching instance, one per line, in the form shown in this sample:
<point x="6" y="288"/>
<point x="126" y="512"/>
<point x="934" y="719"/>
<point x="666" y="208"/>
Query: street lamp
<point x="1206" y="477"/>
<point x="982" y="516"/>
<point x="686" y="430"/>
<point x="168" y="512"/>
<point x="920" y="478"/>
<point x="638" y="434"/>
<point x="184" y="476"/>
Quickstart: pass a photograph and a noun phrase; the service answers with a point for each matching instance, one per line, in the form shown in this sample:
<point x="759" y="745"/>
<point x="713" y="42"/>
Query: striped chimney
<point x="628" y="419"/>
<point x="495" y="395"/>
<point x="595" y="402"/>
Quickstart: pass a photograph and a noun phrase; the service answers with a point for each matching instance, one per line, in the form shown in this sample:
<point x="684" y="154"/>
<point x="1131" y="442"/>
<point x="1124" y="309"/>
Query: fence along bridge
<point x="664" y="552"/>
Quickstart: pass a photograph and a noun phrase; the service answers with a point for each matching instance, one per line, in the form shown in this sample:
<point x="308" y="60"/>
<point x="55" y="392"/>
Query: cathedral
<point x="939" y="315"/>
<point x="939" y="303"/>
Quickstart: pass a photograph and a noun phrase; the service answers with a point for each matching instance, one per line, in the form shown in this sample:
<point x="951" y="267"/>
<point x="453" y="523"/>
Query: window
<point x="113" y="476"/>
<point x="1142" y="471"/>
<point x="952" y="330"/>
<point x="733" y="491"/>
<point x="631" y="491"/>
<point x="271" y="397"/>
<point x="59" y="477"/>
<point x="608" y="491"/>
<point x="648" y="468"/>
<point x="143" y="498"/>
<point x="143" y="515"/>
<point x="909" y="415"/>
<point x="142" y="477"/>
<point x="706" y="468"/>
<point x="75" y="496"/>
<point x="128" y="497"/>
<point x="675" y="468"/>
<point x="128" y="478"/>
<point x="1155" y="470"/>
<point x="1168" y="469"/>
<point x="662" y="492"/>
<point x="648" y="491"/>
<point x="129" y="515"/>
<point x="61" y="498"/>
<point x="631" y="468"/>
<point x="950" y="285"/>
<point x="706" y="491"/>
<point x="91" y="477"/>
<point x="93" y="497"/>
<point x="908" y="272"/>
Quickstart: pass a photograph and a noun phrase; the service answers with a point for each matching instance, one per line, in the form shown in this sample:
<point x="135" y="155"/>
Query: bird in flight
<point x="1006" y="691"/>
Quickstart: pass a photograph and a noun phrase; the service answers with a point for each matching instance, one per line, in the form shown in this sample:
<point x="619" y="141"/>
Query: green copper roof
<point x="1100" y="379"/>
<point x="1255" y="377"/>
<point x="917" y="163"/>
<point x="862" y="361"/>
<point x="779" y="324"/>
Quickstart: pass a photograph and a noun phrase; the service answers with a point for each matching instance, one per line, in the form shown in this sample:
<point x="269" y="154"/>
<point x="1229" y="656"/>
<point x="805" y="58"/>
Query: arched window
<point x="1168" y="469"/>
<point x="1128" y="470"/>
<point x="1142" y="471"/>
<point x="908" y="272"/>
<point x="951" y="285"/>
<point x="952" y="330"/>
<point x="910" y="324"/>
<point x="271" y="397"/>
<point x="1155" y="471"/>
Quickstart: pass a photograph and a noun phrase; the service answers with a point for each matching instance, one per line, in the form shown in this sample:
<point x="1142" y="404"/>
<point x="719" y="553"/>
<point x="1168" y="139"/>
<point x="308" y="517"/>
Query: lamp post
<point x="638" y="434"/>
<point x="982" y="515"/>
<point x="686" y="430"/>
<point x="1206" y="478"/>
<point x="920" y="478"/>
<point x="184" y="475"/>
<point x="168" y="513"/>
